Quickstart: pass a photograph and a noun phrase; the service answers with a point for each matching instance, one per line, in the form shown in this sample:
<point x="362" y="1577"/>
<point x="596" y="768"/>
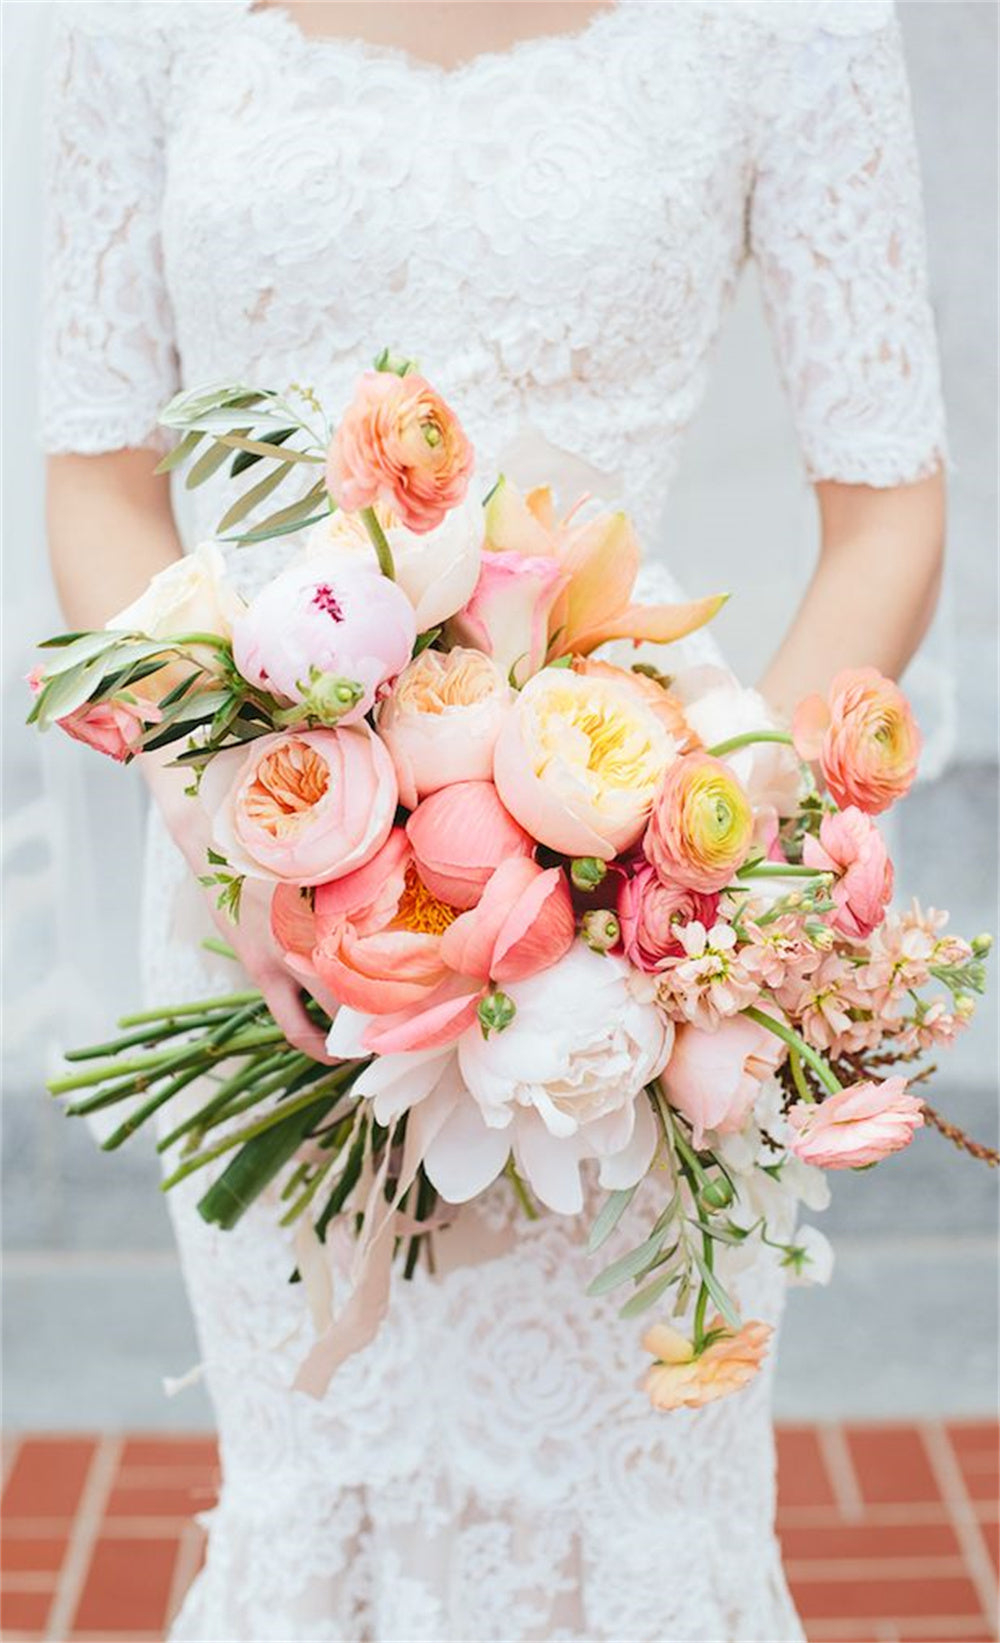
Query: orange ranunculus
<point x="680" y="1380"/>
<point x="399" y="443"/>
<point x="600" y="558"/>
<point x="864" y="736"/>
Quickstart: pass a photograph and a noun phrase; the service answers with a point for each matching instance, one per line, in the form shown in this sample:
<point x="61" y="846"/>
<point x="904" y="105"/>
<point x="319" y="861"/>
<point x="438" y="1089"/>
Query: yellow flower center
<point x="597" y="734"/>
<point x="420" y="911"/>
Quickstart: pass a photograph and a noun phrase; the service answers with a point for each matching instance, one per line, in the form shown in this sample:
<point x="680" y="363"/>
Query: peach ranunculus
<point x="864" y="736"/>
<point x="856" y="1127"/>
<point x="437" y="570"/>
<point x="578" y="762"/>
<point x="459" y="836"/>
<point x="301" y="807"/>
<point x="399" y="443"/>
<point x="701" y="827"/>
<point x="679" y="1379"/>
<point x="667" y="707"/>
<point x="509" y="613"/>
<point x="649" y="913"/>
<point x="851" y="847"/>
<point x="600" y="560"/>
<point x="714" y="1078"/>
<point x="441" y="720"/>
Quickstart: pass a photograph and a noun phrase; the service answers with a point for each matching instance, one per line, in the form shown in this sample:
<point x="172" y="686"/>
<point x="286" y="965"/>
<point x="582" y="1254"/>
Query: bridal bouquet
<point x="567" y="919"/>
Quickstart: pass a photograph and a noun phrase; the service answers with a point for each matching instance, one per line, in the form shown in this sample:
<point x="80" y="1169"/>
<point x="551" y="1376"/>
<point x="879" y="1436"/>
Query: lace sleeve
<point x="836" y="227"/>
<point x="108" y="359"/>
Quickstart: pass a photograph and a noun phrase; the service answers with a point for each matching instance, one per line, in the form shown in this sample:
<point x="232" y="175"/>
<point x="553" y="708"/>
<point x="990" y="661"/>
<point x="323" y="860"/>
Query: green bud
<point x="965" y="1005"/>
<point x="718" y="1194"/>
<point x="495" y="1011"/>
<point x="327" y="697"/>
<point x="981" y="945"/>
<point x="398" y="364"/>
<point x="600" y="930"/>
<point x="587" y="872"/>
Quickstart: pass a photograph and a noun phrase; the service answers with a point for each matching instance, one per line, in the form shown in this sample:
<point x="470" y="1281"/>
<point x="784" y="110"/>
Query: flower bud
<point x="587" y="872"/>
<point x="600" y="930"/>
<point x="981" y="945"/>
<point x="398" y="364"/>
<point x="495" y="1012"/>
<point x="965" y="1005"/>
<point x="327" y="697"/>
<point x="718" y="1194"/>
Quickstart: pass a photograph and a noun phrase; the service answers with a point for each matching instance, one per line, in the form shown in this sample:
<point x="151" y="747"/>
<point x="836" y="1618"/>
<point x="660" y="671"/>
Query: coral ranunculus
<point x="301" y="807"/>
<point x="701" y="827"/>
<point x="441" y="721"/>
<point x="650" y="912"/>
<point x="578" y="762"/>
<point x="459" y="836"/>
<point x="864" y="736"/>
<point x="680" y="1380"/>
<point x="399" y="443"/>
<point x="856" y="1127"/>
<point x="851" y="847"/>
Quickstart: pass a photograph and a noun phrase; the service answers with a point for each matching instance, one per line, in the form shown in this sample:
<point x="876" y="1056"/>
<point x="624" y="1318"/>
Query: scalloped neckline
<point x="282" y="22"/>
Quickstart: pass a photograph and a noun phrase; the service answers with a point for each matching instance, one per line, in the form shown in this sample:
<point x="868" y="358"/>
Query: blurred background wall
<point x="94" y="1312"/>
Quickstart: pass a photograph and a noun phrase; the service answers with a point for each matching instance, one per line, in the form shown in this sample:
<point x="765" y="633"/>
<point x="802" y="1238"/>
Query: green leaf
<point x="246" y="459"/>
<point x="207" y="464"/>
<point x="296" y="513"/>
<point x="647" y="1296"/>
<point x="715" y="1289"/>
<point x="256" y="494"/>
<point x="608" y="1217"/>
<point x="425" y="640"/>
<point x="261" y="447"/>
<point x="192" y="405"/>
<point x="180" y="453"/>
<point x="267" y="532"/>
<point x="81" y="649"/>
<point x="627" y="1266"/>
<point x="257" y="1163"/>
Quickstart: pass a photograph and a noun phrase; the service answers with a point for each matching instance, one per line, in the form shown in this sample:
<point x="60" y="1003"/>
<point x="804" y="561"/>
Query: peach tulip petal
<point x="513" y="525"/>
<point x="601" y="560"/>
<point x="659" y="624"/>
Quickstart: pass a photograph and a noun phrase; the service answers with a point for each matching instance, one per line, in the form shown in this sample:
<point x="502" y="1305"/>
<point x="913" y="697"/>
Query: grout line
<point x="951" y="1483"/>
<point x="8" y="1455"/>
<point x="186" y="1566"/>
<point x="840" y="1470"/>
<point x="83" y="1536"/>
<point x="860" y="1570"/>
<point x="29" y="1580"/>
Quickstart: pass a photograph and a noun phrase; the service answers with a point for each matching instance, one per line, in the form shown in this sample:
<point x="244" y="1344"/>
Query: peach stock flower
<point x="864" y="736"/>
<point x="857" y="1126"/>
<point x="680" y="1380"/>
<point x="303" y="807"/>
<point x="399" y="443"/>
<point x="441" y="721"/>
<point x="851" y="846"/>
<point x="578" y="761"/>
<point x="459" y="836"/>
<point x="701" y="827"/>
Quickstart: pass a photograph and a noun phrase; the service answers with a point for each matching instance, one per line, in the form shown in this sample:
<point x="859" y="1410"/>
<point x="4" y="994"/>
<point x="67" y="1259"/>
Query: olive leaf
<point x="255" y="495"/>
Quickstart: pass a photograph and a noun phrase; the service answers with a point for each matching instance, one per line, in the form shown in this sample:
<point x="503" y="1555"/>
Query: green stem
<point x="781" y="870"/>
<point x="747" y="739"/>
<point x="799" y="1077"/>
<point x="245" y="1078"/>
<point x="231" y="1001"/>
<point x="521" y="1190"/>
<point x="820" y="1066"/>
<point x="676" y="1138"/>
<point x="214" y="944"/>
<point x="380" y="542"/>
<point x="701" y="1305"/>
<point x="329" y="1086"/>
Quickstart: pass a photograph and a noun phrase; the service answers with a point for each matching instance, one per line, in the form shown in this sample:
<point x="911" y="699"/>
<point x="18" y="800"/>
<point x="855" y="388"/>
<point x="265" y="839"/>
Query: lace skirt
<point x="488" y="1467"/>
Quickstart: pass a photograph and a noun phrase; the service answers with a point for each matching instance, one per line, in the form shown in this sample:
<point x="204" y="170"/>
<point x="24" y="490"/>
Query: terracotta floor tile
<point x="27" y="1553"/>
<point x="802" y="1476"/>
<point x="891" y="1464"/>
<point x="25" y="1611"/>
<point x="196" y="1452"/>
<point x="885" y="1599"/>
<point x="47" y="1477"/>
<point x="973" y="1435"/>
<point x="871" y="1540"/>
<point x="127" y="1586"/>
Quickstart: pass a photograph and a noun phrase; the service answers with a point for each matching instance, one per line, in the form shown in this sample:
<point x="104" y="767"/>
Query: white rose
<point x="189" y="596"/>
<point x="718" y="707"/>
<point x="437" y="571"/>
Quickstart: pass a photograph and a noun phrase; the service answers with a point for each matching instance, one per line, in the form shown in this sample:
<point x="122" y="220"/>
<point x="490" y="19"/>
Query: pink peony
<point x="324" y="618"/>
<point x="858" y="1126"/>
<point x="508" y="614"/>
<point x="301" y="807"/>
<point x="851" y="846"/>
<point x="701" y="827"/>
<point x="399" y="443"/>
<point x="714" y="1078"/>
<point x="649" y="913"/>
<point x="441" y="721"/>
<point x="459" y="837"/>
<point x="864" y="736"/>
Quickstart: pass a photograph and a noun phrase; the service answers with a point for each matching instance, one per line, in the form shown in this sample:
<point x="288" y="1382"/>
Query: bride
<point x="549" y="205"/>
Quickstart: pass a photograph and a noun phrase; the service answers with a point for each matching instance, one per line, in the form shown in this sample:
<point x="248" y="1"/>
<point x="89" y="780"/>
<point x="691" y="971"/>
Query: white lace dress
<point x="556" y="231"/>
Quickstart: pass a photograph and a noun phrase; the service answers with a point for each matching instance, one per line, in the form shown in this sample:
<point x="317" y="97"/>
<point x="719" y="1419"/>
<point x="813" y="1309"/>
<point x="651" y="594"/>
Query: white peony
<point x="562" y="1083"/>
<point x="190" y="596"/>
<point x="717" y="707"/>
<point x="437" y="571"/>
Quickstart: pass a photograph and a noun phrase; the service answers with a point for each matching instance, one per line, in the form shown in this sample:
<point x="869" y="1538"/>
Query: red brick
<point x="30" y="1554"/>
<point x="128" y="1586"/>
<point x="882" y="1599"/>
<point x="47" y="1477"/>
<point x="200" y="1454"/>
<point x="25" y="1612"/>
<point x="870" y="1540"/>
<point x="802" y="1474"/>
<point x="891" y="1464"/>
<point x="160" y="1500"/>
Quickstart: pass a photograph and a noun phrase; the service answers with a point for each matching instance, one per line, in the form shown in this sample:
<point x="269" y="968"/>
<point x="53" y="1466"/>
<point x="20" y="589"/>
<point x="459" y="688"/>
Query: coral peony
<point x="322" y="618"/>
<point x="399" y="443"/>
<point x="437" y="570"/>
<point x="714" y="1078"/>
<point x="650" y="913"/>
<point x="441" y="720"/>
<point x="858" y="1126"/>
<point x="681" y="1380"/>
<point x="864" y="736"/>
<point x="701" y="827"/>
<point x="302" y="807"/>
<point x="851" y="846"/>
<point x="578" y="762"/>
<point x="459" y="837"/>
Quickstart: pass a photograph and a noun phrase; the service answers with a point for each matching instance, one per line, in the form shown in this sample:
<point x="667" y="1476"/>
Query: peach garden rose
<point x="441" y="720"/>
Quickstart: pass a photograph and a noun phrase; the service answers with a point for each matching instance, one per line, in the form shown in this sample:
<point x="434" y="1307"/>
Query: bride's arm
<point x="874" y="589"/>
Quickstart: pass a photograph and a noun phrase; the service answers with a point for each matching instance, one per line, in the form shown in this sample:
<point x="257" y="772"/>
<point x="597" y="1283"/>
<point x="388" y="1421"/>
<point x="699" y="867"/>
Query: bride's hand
<point x="251" y="937"/>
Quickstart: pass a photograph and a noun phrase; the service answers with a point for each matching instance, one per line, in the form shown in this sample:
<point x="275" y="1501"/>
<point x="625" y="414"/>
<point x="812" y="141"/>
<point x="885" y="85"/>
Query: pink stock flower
<point x="775" y="953"/>
<point x="701" y="826"/>
<point x="826" y="1006"/>
<point x="858" y="1126"/>
<point x="302" y="807"/>
<point x="864" y="736"/>
<point x="714" y="1078"/>
<point x="508" y="614"/>
<point x="399" y="443"/>
<point x="709" y="982"/>
<point x="650" y="912"/>
<point x="114" y="727"/>
<point x="325" y="617"/>
<point x="459" y="837"/>
<point x="441" y="721"/>
<point x="851" y="846"/>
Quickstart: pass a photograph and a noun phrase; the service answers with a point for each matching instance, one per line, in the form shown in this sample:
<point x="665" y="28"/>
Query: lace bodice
<point x="556" y="231"/>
